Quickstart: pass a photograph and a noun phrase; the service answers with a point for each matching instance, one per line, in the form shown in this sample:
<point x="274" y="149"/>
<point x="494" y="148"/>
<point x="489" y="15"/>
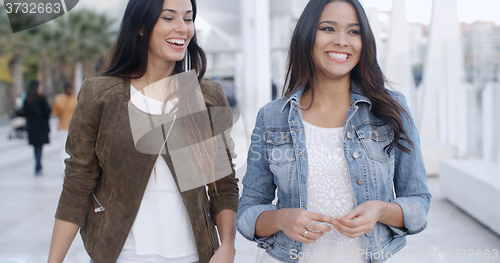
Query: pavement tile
<point x="28" y="203"/>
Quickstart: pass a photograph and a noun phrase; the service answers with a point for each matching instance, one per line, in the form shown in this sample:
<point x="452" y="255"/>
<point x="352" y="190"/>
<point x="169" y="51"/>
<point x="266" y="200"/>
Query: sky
<point x="416" y="10"/>
<point x="420" y="10"/>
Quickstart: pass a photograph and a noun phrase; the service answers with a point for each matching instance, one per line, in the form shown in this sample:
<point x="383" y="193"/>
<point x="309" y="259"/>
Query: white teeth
<point x="338" y="55"/>
<point x="176" y="41"/>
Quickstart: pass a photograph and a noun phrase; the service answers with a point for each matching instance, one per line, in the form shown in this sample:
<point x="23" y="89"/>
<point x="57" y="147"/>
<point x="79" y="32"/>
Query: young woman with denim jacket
<point x="124" y="193"/>
<point x="341" y="150"/>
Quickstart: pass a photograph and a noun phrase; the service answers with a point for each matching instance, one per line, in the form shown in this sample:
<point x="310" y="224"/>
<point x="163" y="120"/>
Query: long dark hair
<point x="366" y="74"/>
<point x="32" y="91"/>
<point x="128" y="56"/>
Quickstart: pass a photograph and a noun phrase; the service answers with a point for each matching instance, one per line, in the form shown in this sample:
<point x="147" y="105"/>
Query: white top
<point x="329" y="192"/>
<point x="162" y="231"/>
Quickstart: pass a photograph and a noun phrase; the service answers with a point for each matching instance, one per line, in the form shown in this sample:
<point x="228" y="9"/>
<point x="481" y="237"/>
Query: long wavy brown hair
<point x="128" y="58"/>
<point x="366" y="74"/>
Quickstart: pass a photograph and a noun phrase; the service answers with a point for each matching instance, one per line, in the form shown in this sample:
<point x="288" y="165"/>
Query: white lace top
<point x="329" y="192"/>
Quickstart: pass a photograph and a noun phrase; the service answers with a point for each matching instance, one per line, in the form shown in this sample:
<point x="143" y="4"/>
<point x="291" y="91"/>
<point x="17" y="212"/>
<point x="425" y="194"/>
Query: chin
<point x="174" y="58"/>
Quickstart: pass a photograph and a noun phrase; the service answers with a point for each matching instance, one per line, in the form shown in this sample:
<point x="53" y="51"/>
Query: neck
<point x="158" y="69"/>
<point x="331" y="91"/>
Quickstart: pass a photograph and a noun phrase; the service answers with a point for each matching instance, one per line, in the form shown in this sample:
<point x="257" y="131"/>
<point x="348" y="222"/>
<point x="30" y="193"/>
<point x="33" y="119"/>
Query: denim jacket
<point x="277" y="158"/>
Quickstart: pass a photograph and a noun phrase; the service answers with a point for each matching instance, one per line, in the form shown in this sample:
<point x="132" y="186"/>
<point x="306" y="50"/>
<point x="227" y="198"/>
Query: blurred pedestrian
<point x="37" y="112"/>
<point x="63" y="107"/>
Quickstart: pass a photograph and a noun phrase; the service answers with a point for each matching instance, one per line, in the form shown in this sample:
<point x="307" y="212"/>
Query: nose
<point x="181" y="27"/>
<point x="340" y="39"/>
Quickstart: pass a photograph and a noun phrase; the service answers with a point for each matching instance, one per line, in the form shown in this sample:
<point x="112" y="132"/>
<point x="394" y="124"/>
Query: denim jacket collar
<point x="357" y="95"/>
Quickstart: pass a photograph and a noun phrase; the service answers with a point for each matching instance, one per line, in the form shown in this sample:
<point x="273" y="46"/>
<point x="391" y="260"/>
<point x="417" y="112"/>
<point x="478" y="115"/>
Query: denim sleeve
<point x="410" y="179"/>
<point x="258" y="187"/>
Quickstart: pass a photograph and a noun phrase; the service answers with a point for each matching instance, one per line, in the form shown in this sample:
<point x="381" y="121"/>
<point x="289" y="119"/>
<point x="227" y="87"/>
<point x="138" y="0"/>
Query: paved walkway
<point x="28" y="203"/>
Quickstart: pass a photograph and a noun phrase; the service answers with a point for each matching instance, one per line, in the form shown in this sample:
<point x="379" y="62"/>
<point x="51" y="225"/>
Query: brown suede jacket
<point x="105" y="162"/>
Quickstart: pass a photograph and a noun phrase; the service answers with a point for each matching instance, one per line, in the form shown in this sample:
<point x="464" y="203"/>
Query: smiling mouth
<point x="177" y="42"/>
<point x="341" y="56"/>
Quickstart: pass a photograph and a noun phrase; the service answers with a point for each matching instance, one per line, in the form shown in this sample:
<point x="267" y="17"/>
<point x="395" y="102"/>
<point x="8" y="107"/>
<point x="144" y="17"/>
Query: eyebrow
<point x="335" y="23"/>
<point x="174" y="11"/>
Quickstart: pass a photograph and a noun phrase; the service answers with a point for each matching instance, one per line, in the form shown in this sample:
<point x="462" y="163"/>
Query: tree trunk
<point x="46" y="79"/>
<point x="15" y="89"/>
<point x="78" y="76"/>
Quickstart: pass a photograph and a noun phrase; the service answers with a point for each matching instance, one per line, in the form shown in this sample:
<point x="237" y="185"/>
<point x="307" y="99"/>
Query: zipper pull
<point x="100" y="208"/>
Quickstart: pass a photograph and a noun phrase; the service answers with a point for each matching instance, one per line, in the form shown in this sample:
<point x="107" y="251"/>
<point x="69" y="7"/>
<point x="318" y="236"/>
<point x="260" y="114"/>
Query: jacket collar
<point x="357" y="95"/>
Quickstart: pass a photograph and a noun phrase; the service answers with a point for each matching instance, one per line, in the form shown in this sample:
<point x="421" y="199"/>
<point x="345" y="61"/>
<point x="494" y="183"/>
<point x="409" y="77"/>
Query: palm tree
<point x="76" y="38"/>
<point x="86" y="36"/>
<point x="14" y="45"/>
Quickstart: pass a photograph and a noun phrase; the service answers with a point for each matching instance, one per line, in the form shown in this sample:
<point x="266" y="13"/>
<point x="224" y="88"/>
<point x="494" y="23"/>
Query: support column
<point x="488" y="121"/>
<point x="443" y="70"/>
<point x="256" y="77"/>
<point x="373" y="14"/>
<point x="398" y="65"/>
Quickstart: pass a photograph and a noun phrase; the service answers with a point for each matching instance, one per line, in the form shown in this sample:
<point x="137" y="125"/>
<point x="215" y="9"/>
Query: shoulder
<point x="274" y="114"/>
<point x="210" y="87"/>
<point x="58" y="98"/>
<point x="212" y="92"/>
<point x="98" y="85"/>
<point x="396" y="95"/>
<point x="276" y="107"/>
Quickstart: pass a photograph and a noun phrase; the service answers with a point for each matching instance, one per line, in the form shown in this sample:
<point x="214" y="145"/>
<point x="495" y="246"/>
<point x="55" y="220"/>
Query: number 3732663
<point x="32" y="8"/>
<point x="471" y="254"/>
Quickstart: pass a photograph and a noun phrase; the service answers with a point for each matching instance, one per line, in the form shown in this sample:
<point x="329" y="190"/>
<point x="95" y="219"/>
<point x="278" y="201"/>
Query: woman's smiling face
<point x="338" y="44"/>
<point x="172" y="32"/>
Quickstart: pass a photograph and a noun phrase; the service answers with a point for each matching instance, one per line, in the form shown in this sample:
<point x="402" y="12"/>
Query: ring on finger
<point x="305" y="234"/>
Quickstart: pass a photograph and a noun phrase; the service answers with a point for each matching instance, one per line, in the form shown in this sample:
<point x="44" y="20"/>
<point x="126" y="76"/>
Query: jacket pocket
<point x="96" y="218"/>
<point x="374" y="139"/>
<point x="280" y="149"/>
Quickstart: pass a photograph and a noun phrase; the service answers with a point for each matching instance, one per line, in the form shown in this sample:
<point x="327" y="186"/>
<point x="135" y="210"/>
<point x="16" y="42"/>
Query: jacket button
<point x="305" y="179"/>
<point x="305" y="206"/>
<point x="361" y="181"/>
<point x="375" y="133"/>
<point x="303" y="154"/>
<point x="355" y="155"/>
<point x="349" y="135"/>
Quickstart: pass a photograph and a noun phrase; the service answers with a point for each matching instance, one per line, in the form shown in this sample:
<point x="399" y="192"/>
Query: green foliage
<point x="80" y="35"/>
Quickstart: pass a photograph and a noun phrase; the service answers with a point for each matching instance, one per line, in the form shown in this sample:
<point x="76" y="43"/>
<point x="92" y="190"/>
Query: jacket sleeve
<point x="258" y="187"/>
<point x="410" y="179"/>
<point x="82" y="168"/>
<point x="227" y="193"/>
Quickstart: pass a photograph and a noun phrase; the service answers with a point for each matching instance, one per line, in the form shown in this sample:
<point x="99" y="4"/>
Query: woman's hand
<point x="225" y="254"/>
<point x="361" y="220"/>
<point x="294" y="222"/>
<point x="364" y="217"/>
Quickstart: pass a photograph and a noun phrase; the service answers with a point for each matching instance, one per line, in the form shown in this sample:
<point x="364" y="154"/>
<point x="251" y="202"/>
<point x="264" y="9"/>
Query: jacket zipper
<point x="101" y="208"/>
<point x="208" y="224"/>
